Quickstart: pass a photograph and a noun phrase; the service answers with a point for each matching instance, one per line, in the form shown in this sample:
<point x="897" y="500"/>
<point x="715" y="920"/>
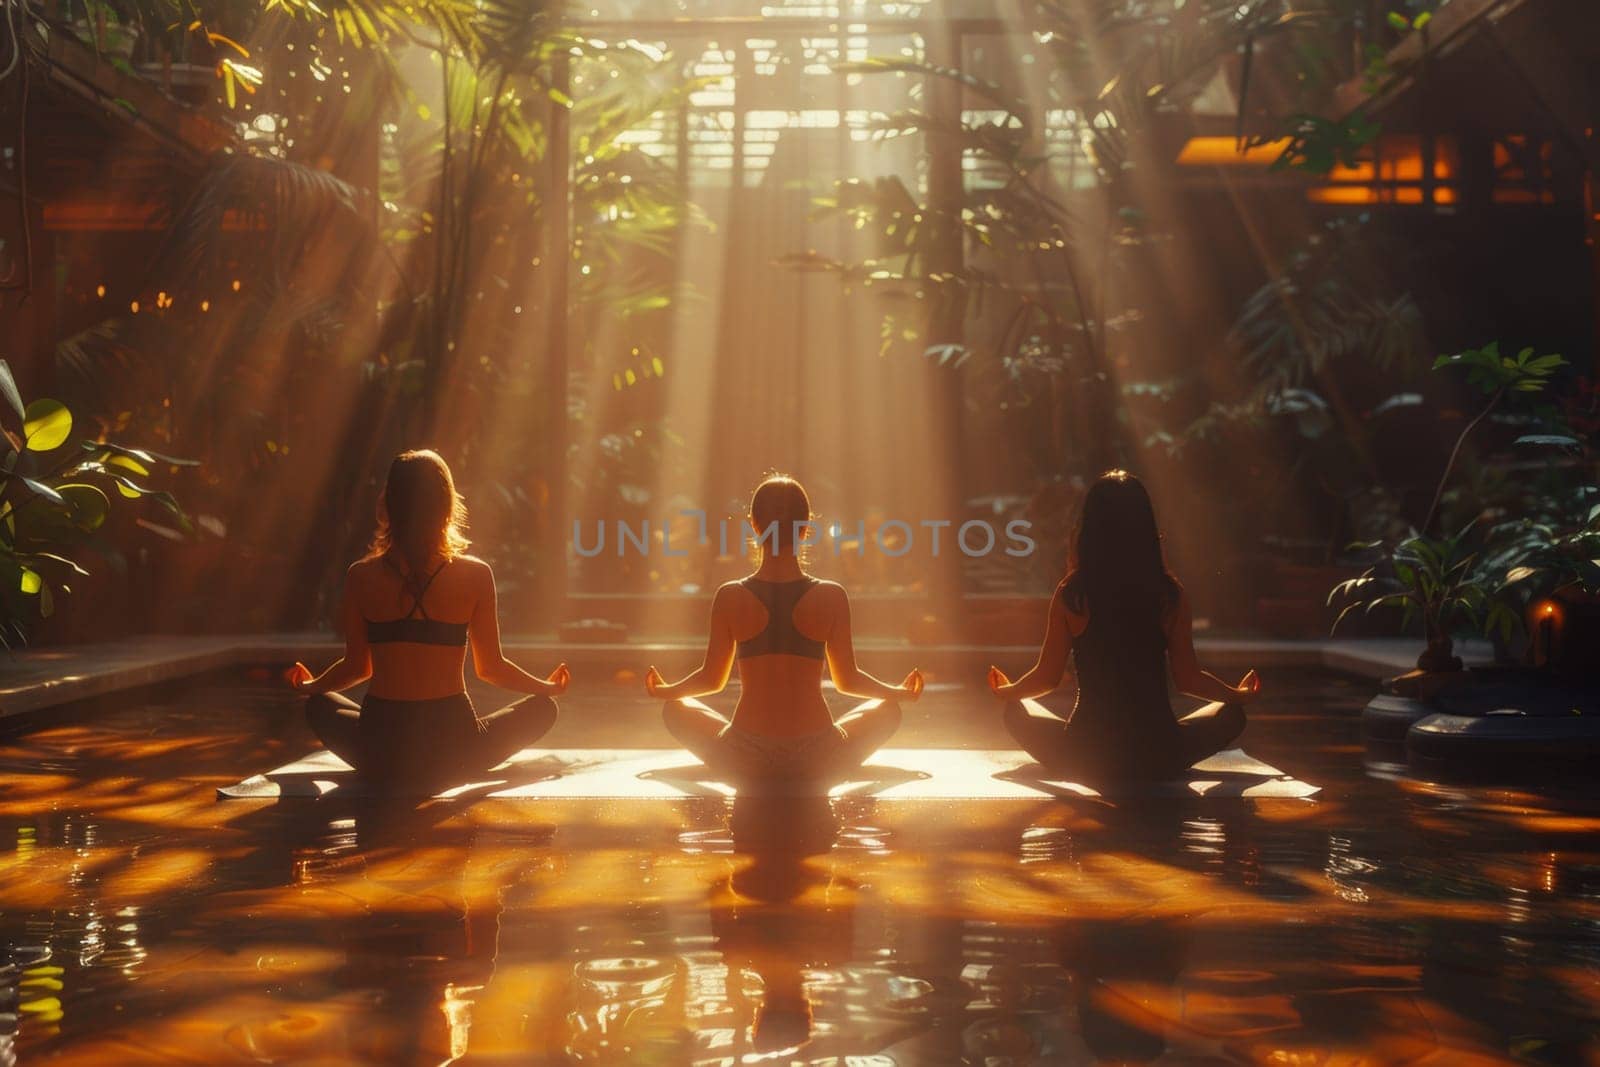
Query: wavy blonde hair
<point x="420" y="514"/>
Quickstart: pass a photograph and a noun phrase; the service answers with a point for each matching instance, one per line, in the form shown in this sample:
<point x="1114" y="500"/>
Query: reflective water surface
<point x="1386" y="921"/>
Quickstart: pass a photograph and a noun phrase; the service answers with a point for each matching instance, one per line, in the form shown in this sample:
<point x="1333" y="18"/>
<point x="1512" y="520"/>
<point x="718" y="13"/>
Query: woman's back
<point x="780" y="629"/>
<point x="1120" y="659"/>
<point x="386" y="592"/>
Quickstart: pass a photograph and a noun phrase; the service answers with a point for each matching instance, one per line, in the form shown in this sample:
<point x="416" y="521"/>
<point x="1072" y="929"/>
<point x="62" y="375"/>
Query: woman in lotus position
<point x="781" y="624"/>
<point x="1126" y="623"/>
<point x="411" y="607"/>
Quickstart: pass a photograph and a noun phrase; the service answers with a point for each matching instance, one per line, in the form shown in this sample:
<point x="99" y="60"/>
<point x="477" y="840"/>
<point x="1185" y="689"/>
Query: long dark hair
<point x="1117" y="568"/>
<point x="420" y="516"/>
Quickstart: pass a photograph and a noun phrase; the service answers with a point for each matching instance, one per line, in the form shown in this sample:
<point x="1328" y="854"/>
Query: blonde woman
<point x="412" y="606"/>
<point x="781" y="625"/>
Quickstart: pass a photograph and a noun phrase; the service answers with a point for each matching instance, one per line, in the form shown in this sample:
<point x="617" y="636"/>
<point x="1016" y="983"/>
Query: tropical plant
<point x="1538" y="558"/>
<point x="1497" y="377"/>
<point x="1027" y="266"/>
<point x="1329" y="303"/>
<point x="53" y="499"/>
<point x="1445" y="582"/>
<point x="453" y="258"/>
<point x="1437" y="581"/>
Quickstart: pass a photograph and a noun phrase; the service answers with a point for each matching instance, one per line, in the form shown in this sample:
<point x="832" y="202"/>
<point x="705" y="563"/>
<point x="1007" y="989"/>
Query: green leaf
<point x="8" y="389"/>
<point x="45" y="491"/>
<point x="1399" y="21"/>
<point x="129" y="488"/>
<point x="63" y="560"/>
<point x="30" y="582"/>
<point x="89" y="505"/>
<point x="46" y="425"/>
<point x="128" y="463"/>
<point x="1422" y="20"/>
<point x="144" y="455"/>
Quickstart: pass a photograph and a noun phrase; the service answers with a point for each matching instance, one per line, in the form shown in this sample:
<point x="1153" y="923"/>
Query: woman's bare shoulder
<point x="1075" y="618"/>
<point x="828" y="593"/>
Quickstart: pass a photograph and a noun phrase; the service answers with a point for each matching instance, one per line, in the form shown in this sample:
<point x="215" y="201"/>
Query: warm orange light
<point x="1522" y="196"/>
<point x="1361" y="172"/>
<point x="1224" y="152"/>
<point x="1342" y="194"/>
<point x="1357" y="193"/>
<point x="100" y="290"/>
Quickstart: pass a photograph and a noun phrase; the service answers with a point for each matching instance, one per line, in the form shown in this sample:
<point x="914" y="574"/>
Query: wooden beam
<point x="73" y="66"/>
<point x="1449" y="29"/>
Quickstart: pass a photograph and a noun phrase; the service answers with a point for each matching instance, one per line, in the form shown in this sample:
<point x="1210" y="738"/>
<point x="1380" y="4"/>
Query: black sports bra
<point x="780" y="635"/>
<point x="414" y="628"/>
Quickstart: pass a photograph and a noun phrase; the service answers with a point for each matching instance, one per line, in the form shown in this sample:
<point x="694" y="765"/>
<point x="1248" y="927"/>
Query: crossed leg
<point x="1048" y="738"/>
<point x="695" y="726"/>
<point x="866" y="727"/>
<point x="699" y="728"/>
<point x="1040" y="733"/>
<point x="336" y="720"/>
<point x="1208" y="731"/>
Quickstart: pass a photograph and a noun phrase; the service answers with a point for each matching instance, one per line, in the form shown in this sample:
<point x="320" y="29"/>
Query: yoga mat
<point x="892" y="774"/>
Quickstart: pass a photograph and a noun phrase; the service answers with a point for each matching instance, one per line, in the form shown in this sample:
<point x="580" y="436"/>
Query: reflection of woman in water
<point x="1126" y="623"/>
<point x="781" y="624"/>
<point x="762" y="925"/>
<point x="411" y="607"/>
<point x="1124" y="982"/>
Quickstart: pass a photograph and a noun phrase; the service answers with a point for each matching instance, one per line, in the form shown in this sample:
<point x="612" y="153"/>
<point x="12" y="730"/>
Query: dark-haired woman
<point x="781" y="625"/>
<point x="1126" y="624"/>
<point x="411" y="608"/>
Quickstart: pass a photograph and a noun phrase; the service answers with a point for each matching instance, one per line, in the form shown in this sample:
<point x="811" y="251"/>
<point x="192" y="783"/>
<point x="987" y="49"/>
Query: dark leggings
<point x="1053" y="742"/>
<point x="855" y="736"/>
<point x="434" y="740"/>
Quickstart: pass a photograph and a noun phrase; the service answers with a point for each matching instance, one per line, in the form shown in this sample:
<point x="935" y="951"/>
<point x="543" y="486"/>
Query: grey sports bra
<point x="780" y="636"/>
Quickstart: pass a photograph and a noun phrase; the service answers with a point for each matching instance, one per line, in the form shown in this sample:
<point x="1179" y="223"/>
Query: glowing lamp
<point x="1545" y="624"/>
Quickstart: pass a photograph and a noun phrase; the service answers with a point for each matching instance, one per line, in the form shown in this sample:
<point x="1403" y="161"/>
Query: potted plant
<point x="103" y="28"/>
<point x="1438" y="580"/>
<point x="185" y="63"/>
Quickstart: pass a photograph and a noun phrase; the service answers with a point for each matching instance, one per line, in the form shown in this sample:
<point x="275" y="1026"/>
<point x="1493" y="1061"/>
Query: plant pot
<point x="193" y="83"/>
<point x="1422" y="685"/>
<point x="1439" y="658"/>
<point x="114" y="41"/>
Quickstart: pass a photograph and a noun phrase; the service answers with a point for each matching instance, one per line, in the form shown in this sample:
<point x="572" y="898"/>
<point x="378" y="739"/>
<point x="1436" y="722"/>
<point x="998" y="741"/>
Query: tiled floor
<point x="1385" y="921"/>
